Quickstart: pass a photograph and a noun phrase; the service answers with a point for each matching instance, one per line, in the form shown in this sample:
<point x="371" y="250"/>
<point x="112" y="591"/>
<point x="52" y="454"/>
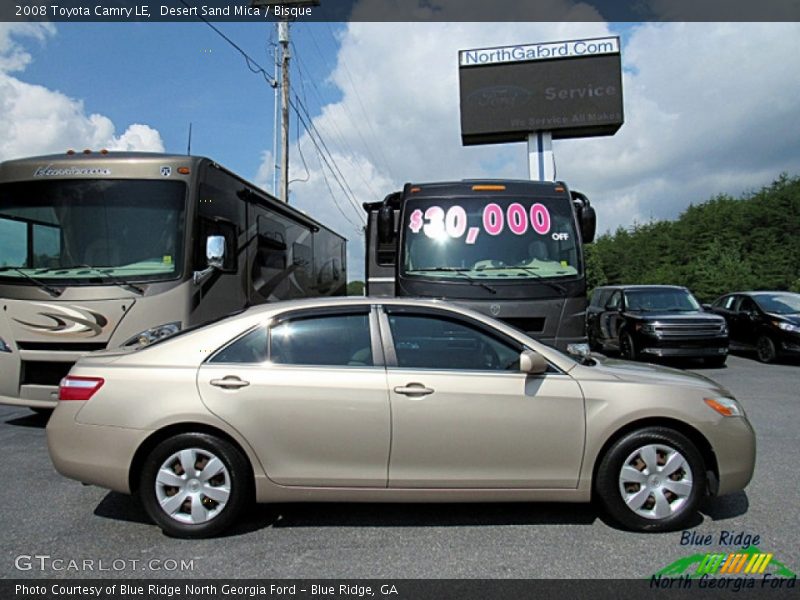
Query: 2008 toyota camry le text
<point x="361" y="399"/>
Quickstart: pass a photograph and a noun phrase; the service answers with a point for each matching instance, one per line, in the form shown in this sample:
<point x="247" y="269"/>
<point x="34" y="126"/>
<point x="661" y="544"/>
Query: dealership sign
<point x="572" y="89"/>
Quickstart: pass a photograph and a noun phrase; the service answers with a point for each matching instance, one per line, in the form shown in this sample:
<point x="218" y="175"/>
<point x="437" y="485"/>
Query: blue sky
<point x="709" y="107"/>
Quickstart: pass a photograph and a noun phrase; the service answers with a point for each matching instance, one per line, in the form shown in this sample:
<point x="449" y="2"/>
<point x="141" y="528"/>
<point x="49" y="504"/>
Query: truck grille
<point x="689" y="330"/>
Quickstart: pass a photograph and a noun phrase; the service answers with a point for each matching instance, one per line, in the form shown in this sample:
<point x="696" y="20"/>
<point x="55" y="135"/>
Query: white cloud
<point x="37" y="120"/>
<point x="709" y="108"/>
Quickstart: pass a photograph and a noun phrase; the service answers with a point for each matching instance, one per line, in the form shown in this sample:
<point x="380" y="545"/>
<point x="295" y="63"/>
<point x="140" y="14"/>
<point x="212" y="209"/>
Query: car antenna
<point x="189" y="143"/>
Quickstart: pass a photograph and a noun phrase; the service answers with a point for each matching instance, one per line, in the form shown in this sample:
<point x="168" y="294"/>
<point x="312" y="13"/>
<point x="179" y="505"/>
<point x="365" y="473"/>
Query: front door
<point x="464" y="416"/>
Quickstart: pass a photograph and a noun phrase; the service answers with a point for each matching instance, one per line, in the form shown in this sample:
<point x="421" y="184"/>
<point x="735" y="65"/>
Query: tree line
<point x="723" y="245"/>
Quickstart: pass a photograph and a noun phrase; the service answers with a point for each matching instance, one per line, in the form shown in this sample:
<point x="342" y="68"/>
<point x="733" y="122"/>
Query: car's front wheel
<point x="765" y="349"/>
<point x="194" y="485"/>
<point x="651" y="480"/>
<point x="627" y="346"/>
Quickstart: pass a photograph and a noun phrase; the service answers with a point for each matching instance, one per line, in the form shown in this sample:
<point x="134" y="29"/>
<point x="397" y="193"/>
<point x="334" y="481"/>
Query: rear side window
<point x="250" y="348"/>
<point x="599" y="297"/>
<point x="329" y="340"/>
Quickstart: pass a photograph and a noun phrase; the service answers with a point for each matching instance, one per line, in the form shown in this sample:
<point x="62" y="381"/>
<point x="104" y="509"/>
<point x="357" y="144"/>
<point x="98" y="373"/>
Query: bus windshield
<point x="86" y="229"/>
<point x="490" y="237"/>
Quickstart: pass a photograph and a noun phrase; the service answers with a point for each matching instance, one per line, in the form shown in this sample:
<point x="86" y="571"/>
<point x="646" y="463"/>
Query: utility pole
<point x="283" y="39"/>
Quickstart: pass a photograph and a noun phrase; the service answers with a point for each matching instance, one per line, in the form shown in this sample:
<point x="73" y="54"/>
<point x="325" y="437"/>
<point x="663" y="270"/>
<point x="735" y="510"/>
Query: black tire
<point x="610" y="487"/>
<point x="765" y="349"/>
<point x="235" y="478"/>
<point x="594" y="345"/>
<point x="627" y="346"/>
<point x="716" y="362"/>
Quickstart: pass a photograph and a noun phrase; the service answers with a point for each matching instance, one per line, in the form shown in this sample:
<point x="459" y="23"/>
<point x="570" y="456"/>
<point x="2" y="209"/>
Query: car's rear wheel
<point x="765" y="349"/>
<point x="651" y="480"/>
<point x="627" y="347"/>
<point x="194" y="485"/>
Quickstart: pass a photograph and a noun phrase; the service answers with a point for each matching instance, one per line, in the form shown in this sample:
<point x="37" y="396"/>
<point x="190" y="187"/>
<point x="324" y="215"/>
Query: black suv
<point x="766" y="321"/>
<point x="657" y="321"/>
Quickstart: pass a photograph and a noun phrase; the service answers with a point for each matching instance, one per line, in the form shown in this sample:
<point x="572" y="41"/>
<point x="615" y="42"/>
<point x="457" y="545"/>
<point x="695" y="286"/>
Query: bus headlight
<point x="148" y="336"/>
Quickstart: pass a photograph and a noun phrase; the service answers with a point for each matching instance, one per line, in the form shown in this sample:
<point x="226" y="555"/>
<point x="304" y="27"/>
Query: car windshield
<point x="779" y="304"/>
<point x="660" y="300"/>
<point x="82" y="230"/>
<point x="491" y="238"/>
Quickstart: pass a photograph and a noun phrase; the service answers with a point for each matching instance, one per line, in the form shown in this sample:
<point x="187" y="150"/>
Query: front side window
<point x="95" y="230"/>
<point x="434" y="342"/>
<point x="496" y="238"/>
<point x="329" y="340"/>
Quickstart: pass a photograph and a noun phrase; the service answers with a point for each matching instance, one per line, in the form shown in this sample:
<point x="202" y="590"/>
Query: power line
<point x="337" y="133"/>
<point x="251" y="64"/>
<point x="254" y="67"/>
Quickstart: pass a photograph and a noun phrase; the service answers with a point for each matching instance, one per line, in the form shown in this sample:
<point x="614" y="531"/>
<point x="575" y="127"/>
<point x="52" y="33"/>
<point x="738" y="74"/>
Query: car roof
<point x="633" y="286"/>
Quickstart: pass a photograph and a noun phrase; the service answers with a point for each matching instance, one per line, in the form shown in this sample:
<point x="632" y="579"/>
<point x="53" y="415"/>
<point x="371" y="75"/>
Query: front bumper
<point x="95" y="454"/>
<point x="734" y="443"/>
<point x="689" y="352"/>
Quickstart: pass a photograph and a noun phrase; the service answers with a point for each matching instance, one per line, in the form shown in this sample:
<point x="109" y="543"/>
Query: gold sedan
<point x="396" y="400"/>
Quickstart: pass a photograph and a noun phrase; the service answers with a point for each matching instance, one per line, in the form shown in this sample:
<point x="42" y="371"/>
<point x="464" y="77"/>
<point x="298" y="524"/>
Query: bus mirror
<point x="532" y="362"/>
<point x="215" y="251"/>
<point x="588" y="224"/>
<point x="385" y="224"/>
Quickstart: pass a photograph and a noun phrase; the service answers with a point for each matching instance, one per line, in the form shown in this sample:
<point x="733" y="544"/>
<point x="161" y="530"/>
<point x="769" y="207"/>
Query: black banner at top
<point x="399" y="10"/>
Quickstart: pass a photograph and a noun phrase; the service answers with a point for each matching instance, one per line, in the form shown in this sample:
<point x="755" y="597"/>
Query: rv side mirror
<point x="588" y="224"/>
<point x="385" y="224"/>
<point x="532" y="362"/>
<point x="587" y="218"/>
<point x="215" y="251"/>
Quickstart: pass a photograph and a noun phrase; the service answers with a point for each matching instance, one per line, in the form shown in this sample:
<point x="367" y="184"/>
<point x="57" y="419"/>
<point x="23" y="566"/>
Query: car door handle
<point x="413" y="389"/>
<point x="230" y="382"/>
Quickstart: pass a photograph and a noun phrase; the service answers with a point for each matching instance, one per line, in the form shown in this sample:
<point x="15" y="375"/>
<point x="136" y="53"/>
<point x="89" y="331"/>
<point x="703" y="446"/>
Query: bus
<point x="101" y="250"/>
<point x="511" y="249"/>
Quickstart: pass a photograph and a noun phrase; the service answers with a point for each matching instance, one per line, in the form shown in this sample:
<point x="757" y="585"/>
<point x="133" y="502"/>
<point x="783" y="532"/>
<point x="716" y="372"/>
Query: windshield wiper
<point x="530" y="270"/>
<point x="462" y="272"/>
<point x="55" y="293"/>
<point x="115" y="279"/>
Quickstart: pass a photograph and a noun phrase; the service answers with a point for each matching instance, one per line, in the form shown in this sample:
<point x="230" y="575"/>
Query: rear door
<point x="464" y="416"/>
<point x="308" y="392"/>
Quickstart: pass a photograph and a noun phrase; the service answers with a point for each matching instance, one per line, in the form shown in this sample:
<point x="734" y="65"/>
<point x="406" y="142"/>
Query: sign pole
<point x="541" y="162"/>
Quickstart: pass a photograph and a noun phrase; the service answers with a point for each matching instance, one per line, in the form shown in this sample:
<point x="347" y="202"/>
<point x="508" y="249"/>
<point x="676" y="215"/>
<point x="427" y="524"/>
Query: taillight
<point x="79" y="388"/>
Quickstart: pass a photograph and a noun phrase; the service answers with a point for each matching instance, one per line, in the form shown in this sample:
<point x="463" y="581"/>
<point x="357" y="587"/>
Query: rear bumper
<point x="31" y="402"/>
<point x="94" y="454"/>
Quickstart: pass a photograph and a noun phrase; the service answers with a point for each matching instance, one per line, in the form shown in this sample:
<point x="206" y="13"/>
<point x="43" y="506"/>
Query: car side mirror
<point x="707" y="307"/>
<point x="215" y="251"/>
<point x="532" y="362"/>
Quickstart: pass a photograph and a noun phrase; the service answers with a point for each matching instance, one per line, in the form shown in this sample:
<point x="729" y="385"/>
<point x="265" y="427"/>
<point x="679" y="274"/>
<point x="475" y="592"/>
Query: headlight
<point x="149" y="336"/>
<point x="649" y="328"/>
<point x="3" y="346"/>
<point x="787" y="326"/>
<point x="727" y="407"/>
<point x="724" y="329"/>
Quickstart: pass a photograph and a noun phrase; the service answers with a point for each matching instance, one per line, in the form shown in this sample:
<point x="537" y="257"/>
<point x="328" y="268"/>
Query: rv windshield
<point x="91" y="230"/>
<point x="490" y="238"/>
